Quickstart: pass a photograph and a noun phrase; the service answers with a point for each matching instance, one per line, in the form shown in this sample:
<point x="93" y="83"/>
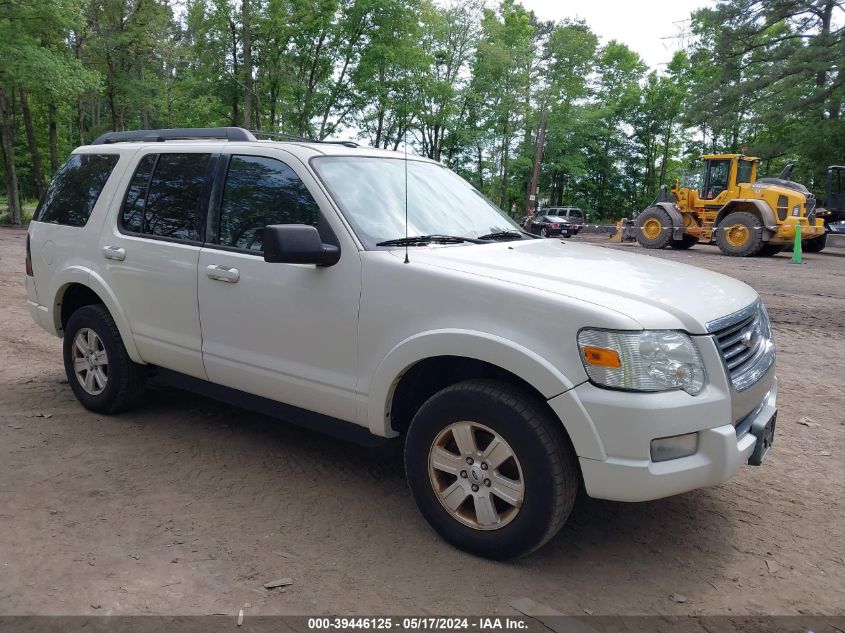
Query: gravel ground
<point x="184" y="506"/>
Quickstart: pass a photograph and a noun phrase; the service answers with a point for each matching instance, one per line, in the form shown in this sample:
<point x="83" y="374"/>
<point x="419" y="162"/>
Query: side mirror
<point x="297" y="244"/>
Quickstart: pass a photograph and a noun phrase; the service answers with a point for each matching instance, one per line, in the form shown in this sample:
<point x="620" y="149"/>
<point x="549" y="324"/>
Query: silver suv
<point x="375" y="296"/>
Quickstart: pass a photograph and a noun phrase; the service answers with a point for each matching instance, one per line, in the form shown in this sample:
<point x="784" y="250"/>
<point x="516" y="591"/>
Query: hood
<point x="657" y="293"/>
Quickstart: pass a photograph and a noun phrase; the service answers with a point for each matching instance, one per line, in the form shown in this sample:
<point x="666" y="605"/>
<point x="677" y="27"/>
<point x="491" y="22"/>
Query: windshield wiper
<point x="415" y="240"/>
<point x="502" y="235"/>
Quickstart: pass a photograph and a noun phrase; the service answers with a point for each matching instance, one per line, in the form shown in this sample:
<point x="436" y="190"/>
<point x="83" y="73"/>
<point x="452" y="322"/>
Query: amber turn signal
<point x="602" y="357"/>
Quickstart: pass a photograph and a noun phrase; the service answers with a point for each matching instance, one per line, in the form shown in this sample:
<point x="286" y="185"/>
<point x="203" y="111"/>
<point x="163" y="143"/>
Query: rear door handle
<point x="223" y="273"/>
<point x="114" y="252"/>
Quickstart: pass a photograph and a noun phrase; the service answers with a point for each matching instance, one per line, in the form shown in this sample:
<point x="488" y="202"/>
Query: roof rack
<point x="153" y="136"/>
<point x="300" y="139"/>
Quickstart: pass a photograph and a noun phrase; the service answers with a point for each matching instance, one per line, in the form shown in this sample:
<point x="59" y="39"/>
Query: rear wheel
<point x="654" y="228"/>
<point x="100" y="373"/>
<point x="740" y="234"/>
<point x="815" y="245"/>
<point x="687" y="241"/>
<point x="490" y="468"/>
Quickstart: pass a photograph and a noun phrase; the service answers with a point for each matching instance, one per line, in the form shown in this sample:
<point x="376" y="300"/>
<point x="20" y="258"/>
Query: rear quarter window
<point x="71" y="197"/>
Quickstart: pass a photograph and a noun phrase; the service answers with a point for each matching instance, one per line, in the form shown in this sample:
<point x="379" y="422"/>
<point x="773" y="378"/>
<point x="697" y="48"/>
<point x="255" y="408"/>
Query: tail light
<point x="28" y="258"/>
<point x="555" y="226"/>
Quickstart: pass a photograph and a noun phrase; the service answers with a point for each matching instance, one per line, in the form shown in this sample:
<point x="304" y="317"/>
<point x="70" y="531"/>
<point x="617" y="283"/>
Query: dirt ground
<point x="184" y="506"/>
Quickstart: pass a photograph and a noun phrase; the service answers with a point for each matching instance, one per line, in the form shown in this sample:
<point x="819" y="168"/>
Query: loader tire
<point x="654" y="228"/>
<point x="740" y="234"/>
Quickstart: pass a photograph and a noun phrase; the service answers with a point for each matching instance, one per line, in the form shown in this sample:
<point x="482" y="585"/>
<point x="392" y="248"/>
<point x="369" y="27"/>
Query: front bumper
<point x="720" y="454"/>
<point x="785" y="233"/>
<point x="612" y="433"/>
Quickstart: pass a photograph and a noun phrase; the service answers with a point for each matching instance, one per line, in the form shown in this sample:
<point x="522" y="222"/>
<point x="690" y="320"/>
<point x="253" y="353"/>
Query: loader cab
<point x="722" y="172"/>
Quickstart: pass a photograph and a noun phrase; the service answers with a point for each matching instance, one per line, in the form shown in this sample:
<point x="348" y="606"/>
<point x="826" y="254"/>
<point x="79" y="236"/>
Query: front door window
<point x="717" y="180"/>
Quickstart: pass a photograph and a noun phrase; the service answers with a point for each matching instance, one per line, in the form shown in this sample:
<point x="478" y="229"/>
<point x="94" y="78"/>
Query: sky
<point x="638" y="23"/>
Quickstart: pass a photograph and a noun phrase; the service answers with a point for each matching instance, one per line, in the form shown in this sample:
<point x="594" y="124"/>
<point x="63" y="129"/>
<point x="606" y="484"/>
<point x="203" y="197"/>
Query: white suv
<point x="357" y="292"/>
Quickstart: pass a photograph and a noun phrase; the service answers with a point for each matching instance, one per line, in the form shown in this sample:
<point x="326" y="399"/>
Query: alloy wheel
<point x="90" y="361"/>
<point x="476" y="475"/>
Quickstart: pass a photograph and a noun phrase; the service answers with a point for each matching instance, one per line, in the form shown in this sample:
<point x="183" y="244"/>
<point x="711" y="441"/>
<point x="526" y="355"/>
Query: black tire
<point x="125" y="379"/>
<point x="687" y="241"/>
<point x="815" y="245"/>
<point x="754" y="235"/>
<point x="770" y="250"/>
<point x="544" y="232"/>
<point x="567" y="234"/>
<point x="665" y="236"/>
<point x="549" y="467"/>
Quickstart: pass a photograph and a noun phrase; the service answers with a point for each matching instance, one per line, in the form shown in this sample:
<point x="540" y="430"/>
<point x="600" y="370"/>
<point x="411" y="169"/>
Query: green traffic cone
<point x="796" y="247"/>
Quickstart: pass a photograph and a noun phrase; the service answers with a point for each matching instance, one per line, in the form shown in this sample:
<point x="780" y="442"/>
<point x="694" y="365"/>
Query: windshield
<point x="371" y="193"/>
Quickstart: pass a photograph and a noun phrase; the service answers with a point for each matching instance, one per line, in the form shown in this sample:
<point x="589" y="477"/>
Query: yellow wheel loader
<point x="729" y="206"/>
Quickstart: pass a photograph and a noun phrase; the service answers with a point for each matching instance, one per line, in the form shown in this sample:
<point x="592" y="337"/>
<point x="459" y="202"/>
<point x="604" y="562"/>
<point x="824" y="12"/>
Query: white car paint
<point x="337" y="340"/>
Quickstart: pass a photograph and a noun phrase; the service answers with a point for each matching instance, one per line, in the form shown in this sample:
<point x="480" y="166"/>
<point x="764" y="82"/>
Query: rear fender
<point x="80" y="275"/>
<point x="677" y="219"/>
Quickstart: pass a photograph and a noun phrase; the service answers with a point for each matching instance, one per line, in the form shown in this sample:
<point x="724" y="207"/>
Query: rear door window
<point x="132" y="215"/>
<point x="167" y="196"/>
<point x="71" y="197"/>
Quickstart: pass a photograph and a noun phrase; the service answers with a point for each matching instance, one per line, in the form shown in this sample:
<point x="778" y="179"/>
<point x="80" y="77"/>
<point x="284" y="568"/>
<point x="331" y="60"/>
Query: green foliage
<point x="464" y="82"/>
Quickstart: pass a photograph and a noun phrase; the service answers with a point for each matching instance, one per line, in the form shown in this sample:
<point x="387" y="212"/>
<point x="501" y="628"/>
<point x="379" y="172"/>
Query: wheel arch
<point x="423" y="364"/>
<point x="757" y="208"/>
<point x="89" y="290"/>
<point x="675" y="215"/>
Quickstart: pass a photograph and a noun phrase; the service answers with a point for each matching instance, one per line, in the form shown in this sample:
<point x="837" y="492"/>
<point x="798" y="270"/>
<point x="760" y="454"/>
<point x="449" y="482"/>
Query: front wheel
<point x="490" y="468"/>
<point x="544" y="232"/>
<point x="740" y="234"/>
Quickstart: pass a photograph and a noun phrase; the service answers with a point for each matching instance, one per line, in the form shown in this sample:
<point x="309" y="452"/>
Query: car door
<point x="151" y="251"/>
<point x="287" y="332"/>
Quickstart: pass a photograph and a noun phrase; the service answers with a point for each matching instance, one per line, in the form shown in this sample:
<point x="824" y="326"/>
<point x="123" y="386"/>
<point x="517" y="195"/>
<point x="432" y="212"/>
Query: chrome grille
<point x="745" y="341"/>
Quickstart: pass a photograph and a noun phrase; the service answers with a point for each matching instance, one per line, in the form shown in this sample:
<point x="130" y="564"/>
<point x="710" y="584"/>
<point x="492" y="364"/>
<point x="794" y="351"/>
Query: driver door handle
<point x="223" y="273"/>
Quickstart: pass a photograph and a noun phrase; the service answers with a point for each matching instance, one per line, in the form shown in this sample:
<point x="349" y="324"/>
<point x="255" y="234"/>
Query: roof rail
<point x="300" y="139"/>
<point x="152" y="136"/>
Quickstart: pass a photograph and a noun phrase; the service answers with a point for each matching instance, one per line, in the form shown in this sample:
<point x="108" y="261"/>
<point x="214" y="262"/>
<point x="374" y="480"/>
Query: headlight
<point x="652" y="360"/>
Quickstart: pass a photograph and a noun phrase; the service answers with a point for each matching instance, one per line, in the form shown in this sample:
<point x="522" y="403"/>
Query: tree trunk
<point x="234" y="32"/>
<point x="246" y="39"/>
<point x="8" y="144"/>
<point x="531" y="202"/>
<point x="54" y="141"/>
<point x="31" y="141"/>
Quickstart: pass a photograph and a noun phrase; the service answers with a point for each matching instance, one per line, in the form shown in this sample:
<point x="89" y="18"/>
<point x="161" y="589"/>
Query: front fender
<point x="518" y="360"/>
<point x="770" y="224"/>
